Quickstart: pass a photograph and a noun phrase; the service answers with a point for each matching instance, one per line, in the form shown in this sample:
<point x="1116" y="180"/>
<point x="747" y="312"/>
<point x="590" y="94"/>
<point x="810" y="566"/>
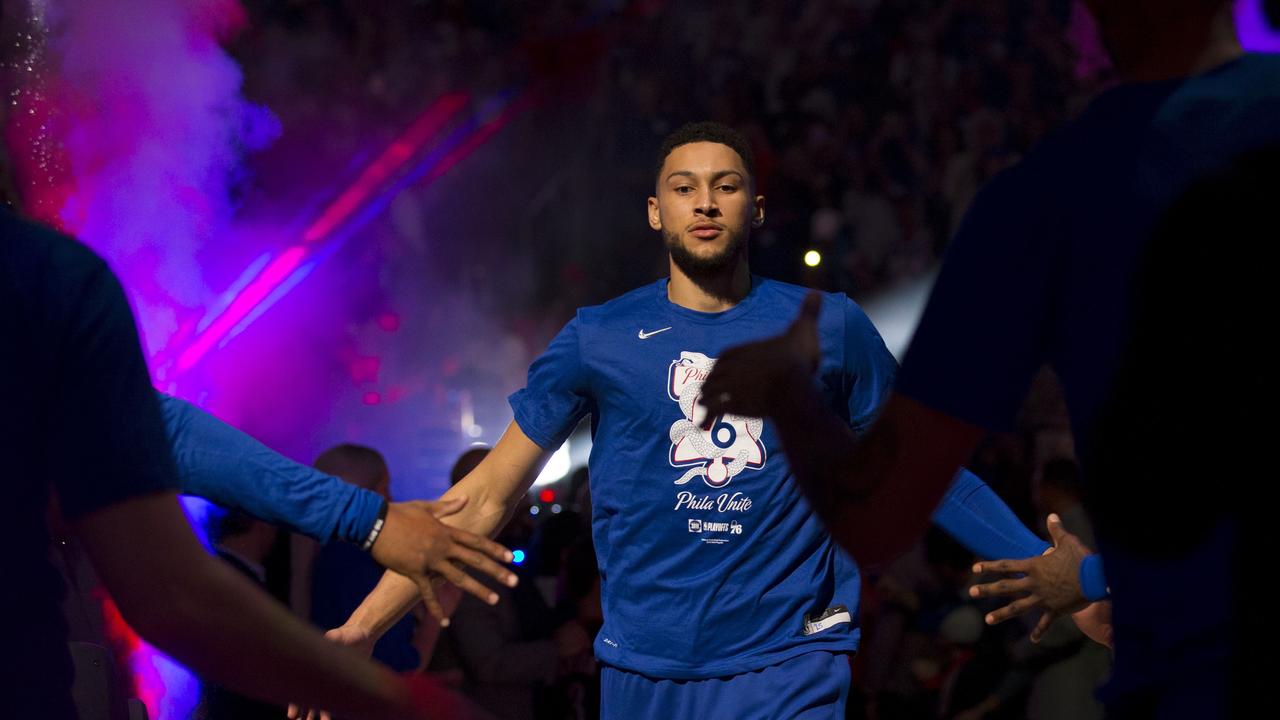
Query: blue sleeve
<point x="557" y="394"/>
<point x="869" y="368"/>
<point x="982" y="336"/>
<point x="219" y="463"/>
<point x="975" y="516"/>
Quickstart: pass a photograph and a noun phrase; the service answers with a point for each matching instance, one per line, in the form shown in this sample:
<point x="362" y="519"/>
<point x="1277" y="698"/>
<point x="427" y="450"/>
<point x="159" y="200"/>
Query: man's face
<point x="704" y="207"/>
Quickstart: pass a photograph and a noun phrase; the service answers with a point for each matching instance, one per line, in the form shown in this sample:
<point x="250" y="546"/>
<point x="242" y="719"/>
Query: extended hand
<point x="1049" y="582"/>
<point x="414" y="543"/>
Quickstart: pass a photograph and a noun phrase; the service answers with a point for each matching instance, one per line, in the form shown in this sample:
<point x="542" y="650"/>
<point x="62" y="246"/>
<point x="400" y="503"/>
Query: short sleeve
<point x="557" y="395"/>
<point x="106" y="439"/>
<point x="869" y="366"/>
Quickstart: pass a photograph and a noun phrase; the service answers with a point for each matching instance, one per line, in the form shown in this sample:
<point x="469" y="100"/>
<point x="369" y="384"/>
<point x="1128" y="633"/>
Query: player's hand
<point x="414" y="543"/>
<point x="1095" y="622"/>
<point x="1050" y="582"/>
<point x="751" y="380"/>
<point x="354" y="637"/>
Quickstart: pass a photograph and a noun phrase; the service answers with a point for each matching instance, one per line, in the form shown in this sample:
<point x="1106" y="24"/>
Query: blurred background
<point x="360" y="220"/>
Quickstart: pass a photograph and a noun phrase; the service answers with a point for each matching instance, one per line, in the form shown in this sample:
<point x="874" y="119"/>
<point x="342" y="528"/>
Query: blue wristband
<point x="1093" y="582"/>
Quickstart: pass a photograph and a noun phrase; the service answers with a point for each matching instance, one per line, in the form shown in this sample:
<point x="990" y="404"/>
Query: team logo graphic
<point x="731" y="445"/>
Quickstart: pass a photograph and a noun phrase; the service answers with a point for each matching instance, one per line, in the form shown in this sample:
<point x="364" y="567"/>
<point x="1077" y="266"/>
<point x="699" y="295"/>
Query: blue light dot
<point x="517" y="557"/>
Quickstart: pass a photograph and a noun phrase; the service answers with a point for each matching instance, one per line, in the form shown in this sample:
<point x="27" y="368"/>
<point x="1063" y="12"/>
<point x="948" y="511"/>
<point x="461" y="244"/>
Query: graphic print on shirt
<point x="717" y="455"/>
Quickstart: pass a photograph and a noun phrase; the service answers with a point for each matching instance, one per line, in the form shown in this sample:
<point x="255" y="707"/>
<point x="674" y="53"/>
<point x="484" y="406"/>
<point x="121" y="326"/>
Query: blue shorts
<point x="812" y="686"/>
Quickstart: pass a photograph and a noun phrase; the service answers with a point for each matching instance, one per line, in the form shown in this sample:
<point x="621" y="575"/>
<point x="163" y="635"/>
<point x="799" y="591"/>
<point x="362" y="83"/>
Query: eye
<point x="683" y="189"/>
<point x="728" y="188"/>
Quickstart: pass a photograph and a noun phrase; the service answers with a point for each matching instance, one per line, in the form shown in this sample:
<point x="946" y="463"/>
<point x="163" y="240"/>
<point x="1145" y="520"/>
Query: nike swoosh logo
<point x="646" y="335"/>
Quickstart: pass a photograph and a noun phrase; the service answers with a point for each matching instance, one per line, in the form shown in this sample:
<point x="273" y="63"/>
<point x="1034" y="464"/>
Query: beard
<point x="703" y="268"/>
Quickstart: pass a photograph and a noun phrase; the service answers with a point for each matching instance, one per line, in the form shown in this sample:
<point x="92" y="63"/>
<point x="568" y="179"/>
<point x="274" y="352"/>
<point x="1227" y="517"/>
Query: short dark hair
<point x="707" y="131"/>
<point x="357" y="464"/>
<point x="465" y="463"/>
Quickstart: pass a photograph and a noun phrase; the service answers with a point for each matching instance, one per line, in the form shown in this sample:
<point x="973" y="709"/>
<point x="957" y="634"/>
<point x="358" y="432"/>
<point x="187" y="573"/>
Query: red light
<point x="364" y="369"/>
<point x="547" y="496"/>
<point x="389" y="321"/>
<point x="372" y="398"/>
<point x="450" y="366"/>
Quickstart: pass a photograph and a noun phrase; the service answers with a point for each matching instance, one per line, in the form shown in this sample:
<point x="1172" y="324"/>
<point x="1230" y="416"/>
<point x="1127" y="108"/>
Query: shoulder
<point x="45" y="275"/>
<point x="622" y="309"/>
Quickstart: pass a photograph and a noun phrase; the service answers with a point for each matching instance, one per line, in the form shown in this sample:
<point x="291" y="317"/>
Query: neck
<point x="711" y="294"/>
<point x="1148" y="45"/>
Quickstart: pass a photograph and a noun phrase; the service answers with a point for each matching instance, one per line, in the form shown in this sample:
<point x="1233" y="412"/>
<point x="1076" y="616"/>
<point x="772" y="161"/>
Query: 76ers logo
<point x="732" y="443"/>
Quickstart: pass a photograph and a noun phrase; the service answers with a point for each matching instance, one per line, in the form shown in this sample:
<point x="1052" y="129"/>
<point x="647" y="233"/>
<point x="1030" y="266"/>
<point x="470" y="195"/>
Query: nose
<point x="706" y="203"/>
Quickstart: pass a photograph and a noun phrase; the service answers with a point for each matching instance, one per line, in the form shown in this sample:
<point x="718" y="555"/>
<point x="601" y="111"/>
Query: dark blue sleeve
<point x="556" y="397"/>
<point x="982" y="337"/>
<point x="869" y="367"/>
<point x="219" y="463"/>
<point x="977" y="518"/>
<point x="104" y="421"/>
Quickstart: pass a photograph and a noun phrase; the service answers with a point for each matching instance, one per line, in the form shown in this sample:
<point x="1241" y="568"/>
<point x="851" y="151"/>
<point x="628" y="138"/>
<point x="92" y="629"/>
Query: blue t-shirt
<point x="710" y="557"/>
<point x="1041" y="271"/>
<point x="78" y="418"/>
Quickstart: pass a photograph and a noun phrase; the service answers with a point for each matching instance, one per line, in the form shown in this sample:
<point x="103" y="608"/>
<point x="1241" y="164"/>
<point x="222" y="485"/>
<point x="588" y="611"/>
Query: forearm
<point x="490" y="502"/>
<point x="212" y="619"/>
<point x="393" y="597"/>
<point x="220" y="463"/>
<point x="974" y="515"/>
<point x="819" y="446"/>
<point x="290" y="662"/>
<point x="877" y="493"/>
<point x="492" y="492"/>
<point x="495" y="487"/>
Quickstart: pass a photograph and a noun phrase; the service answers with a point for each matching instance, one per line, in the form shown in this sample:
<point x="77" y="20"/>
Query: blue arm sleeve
<point x="219" y="463"/>
<point x="975" y="516"/>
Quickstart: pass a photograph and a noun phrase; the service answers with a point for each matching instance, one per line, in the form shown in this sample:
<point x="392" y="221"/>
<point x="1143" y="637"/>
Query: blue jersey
<point x="710" y="557"/>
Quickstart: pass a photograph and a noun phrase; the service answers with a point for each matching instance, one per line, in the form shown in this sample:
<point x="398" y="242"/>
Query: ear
<point x="757" y="213"/>
<point x="655" y="217"/>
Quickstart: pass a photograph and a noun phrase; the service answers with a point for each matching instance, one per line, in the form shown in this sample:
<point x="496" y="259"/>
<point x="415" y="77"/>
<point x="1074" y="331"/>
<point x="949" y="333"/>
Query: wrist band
<point x="377" y="527"/>
<point x="1093" y="582"/>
